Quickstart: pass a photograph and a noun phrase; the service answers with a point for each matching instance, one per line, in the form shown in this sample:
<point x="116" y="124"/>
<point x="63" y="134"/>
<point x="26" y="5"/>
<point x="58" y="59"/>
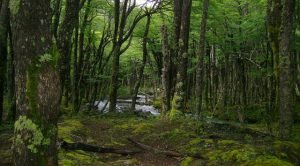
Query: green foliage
<point x="45" y="58"/>
<point x="29" y="133"/>
<point x="174" y="114"/>
<point x="14" y="6"/>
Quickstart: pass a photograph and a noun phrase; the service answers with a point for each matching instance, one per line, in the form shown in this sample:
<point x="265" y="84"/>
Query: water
<point x="124" y="105"/>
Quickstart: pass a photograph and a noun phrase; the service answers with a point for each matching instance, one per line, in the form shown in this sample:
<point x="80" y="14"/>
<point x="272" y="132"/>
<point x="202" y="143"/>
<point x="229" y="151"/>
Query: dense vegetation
<point x="222" y="77"/>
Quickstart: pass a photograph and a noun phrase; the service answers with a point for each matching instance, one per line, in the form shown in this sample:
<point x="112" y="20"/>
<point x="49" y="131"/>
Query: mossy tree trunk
<point x="200" y="62"/>
<point x="37" y="84"/>
<point x="4" y="23"/>
<point x="274" y="23"/>
<point x="182" y="58"/>
<point x="286" y="83"/>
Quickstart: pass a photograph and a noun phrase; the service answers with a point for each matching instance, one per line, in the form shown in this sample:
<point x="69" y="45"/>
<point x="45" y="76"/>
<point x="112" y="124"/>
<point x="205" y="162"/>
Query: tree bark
<point x="182" y="59"/>
<point x="37" y="84"/>
<point x="64" y="37"/>
<point x="4" y="23"/>
<point x="165" y="72"/>
<point x="79" y="64"/>
<point x="200" y="62"/>
<point x="144" y="61"/>
<point x="286" y="82"/>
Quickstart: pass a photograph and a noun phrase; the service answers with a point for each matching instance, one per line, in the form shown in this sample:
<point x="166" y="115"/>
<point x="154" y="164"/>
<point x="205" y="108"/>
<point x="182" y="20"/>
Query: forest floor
<point x="211" y="143"/>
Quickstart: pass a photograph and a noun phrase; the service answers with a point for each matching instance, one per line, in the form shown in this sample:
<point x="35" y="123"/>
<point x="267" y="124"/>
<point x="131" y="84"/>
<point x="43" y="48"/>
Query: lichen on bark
<point x="14" y="6"/>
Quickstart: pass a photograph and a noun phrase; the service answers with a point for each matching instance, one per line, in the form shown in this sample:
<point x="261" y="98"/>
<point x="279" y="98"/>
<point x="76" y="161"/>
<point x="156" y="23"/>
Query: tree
<point x="165" y="71"/>
<point x="122" y="35"/>
<point x="286" y="83"/>
<point x="64" y="37"/>
<point x="4" y="24"/>
<point x="144" y="61"/>
<point x="37" y="83"/>
<point x="182" y="55"/>
<point x="200" y="62"/>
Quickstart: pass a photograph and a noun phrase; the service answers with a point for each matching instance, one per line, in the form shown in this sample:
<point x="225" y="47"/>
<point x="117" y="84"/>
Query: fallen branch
<point x="97" y="149"/>
<point x="149" y="148"/>
<point x="163" y="152"/>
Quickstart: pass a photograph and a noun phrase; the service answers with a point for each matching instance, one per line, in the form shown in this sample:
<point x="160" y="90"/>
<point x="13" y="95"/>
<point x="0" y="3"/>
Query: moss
<point x="241" y="155"/>
<point x="175" y="114"/>
<point x="268" y="160"/>
<point x="143" y="128"/>
<point x="157" y="103"/>
<point x="32" y="90"/>
<point x="32" y="137"/>
<point x="123" y="126"/>
<point x="77" y="158"/>
<point x="227" y="142"/>
<point x="195" y="141"/>
<point x="69" y="126"/>
<point x="187" y="161"/>
<point x="213" y="155"/>
<point x="287" y="150"/>
<point x="14" y="6"/>
<point x="124" y="162"/>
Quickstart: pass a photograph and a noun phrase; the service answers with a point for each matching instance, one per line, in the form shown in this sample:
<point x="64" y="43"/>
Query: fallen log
<point x="158" y="151"/>
<point x="97" y="149"/>
<point x="163" y="152"/>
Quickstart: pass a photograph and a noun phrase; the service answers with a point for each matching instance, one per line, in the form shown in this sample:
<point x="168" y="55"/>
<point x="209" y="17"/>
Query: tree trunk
<point x="37" y="84"/>
<point x="200" y="63"/>
<point x="114" y="79"/>
<point x="4" y="23"/>
<point x="165" y="72"/>
<point x="11" y="80"/>
<point x="141" y="69"/>
<point x="182" y="59"/>
<point x="79" y="71"/>
<point x="64" y="38"/>
<point x="286" y="83"/>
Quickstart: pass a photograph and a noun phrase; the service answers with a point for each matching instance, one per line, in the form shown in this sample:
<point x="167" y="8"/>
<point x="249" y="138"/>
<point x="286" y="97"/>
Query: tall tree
<point x="78" y="69"/>
<point x="165" y="71"/>
<point x="64" y="37"/>
<point x="4" y="24"/>
<point x="274" y="23"/>
<point x="201" y="54"/>
<point x="144" y="61"/>
<point x="121" y="35"/>
<point x="182" y="57"/>
<point x="37" y="83"/>
<point x="286" y="83"/>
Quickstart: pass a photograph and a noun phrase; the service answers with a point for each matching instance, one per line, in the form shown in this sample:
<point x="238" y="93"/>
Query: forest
<point x="149" y="82"/>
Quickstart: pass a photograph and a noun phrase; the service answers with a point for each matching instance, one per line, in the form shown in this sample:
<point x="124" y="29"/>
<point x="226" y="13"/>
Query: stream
<point x="125" y="104"/>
